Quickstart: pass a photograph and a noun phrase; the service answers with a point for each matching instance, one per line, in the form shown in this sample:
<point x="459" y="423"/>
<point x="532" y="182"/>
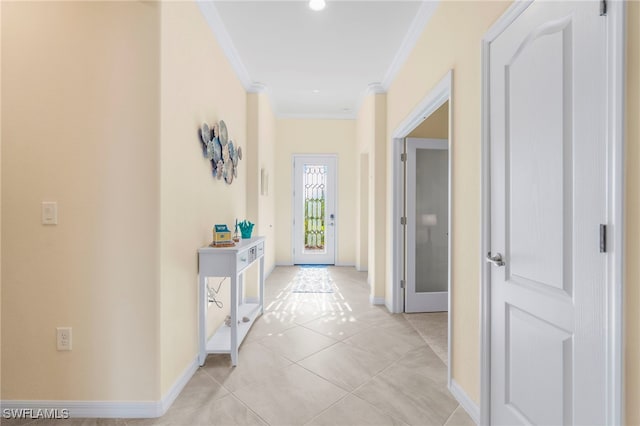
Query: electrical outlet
<point x="63" y="338"/>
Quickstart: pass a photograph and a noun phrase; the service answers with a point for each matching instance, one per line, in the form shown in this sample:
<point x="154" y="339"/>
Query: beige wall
<point x="632" y="215"/>
<point x="436" y="126"/>
<point x="261" y="137"/>
<point x="365" y="122"/>
<point x="371" y="137"/>
<point x="198" y="85"/>
<point x="458" y="27"/>
<point x="115" y="142"/>
<point x="362" y="213"/>
<point x="365" y="139"/>
<point x="0" y="199"/>
<point x="316" y="137"/>
<point x="378" y="240"/>
<point x="81" y="123"/>
<point x="267" y="161"/>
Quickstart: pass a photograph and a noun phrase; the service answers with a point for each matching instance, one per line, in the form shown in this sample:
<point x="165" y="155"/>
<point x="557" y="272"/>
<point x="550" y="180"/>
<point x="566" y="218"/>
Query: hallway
<point x="325" y="359"/>
<point x="320" y="359"/>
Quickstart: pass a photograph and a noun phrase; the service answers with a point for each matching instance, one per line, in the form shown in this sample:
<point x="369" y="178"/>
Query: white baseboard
<point x="267" y="273"/>
<point x="345" y="264"/>
<point x="106" y="409"/>
<point x="465" y="402"/>
<point x="376" y="300"/>
<point x="178" y="385"/>
<point x="389" y="307"/>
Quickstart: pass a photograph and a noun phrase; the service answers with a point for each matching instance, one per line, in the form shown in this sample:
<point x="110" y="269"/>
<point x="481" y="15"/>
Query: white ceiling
<point x="317" y="64"/>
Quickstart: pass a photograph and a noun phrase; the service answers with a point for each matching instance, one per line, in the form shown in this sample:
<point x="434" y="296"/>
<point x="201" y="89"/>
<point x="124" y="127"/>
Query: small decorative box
<point x="221" y="235"/>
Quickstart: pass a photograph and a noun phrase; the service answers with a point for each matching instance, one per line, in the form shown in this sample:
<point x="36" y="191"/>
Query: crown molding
<point x="256" y="87"/>
<point x="302" y="116"/>
<point x="371" y="89"/>
<point x="425" y="12"/>
<point x="375" y="88"/>
<point x="216" y="25"/>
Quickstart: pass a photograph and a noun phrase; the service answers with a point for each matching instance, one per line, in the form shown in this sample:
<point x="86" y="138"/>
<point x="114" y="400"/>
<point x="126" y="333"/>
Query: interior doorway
<point x="438" y="99"/>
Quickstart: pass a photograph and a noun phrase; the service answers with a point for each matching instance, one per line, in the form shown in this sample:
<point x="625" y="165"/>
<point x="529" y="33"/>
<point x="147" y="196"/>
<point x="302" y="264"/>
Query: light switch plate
<point x="49" y="213"/>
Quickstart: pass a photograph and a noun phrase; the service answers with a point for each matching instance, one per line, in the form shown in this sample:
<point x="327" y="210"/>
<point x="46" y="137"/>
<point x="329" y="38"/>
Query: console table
<point x="229" y="262"/>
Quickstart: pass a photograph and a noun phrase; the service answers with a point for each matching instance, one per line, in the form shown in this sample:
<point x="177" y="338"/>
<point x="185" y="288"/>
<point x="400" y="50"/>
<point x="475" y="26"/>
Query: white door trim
<point x="615" y="141"/>
<point x="441" y="93"/>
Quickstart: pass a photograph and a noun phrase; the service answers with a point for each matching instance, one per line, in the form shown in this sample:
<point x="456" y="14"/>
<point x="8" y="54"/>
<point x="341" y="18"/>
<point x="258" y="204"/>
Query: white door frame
<point x="335" y="192"/>
<point x="615" y="130"/>
<point x="441" y="93"/>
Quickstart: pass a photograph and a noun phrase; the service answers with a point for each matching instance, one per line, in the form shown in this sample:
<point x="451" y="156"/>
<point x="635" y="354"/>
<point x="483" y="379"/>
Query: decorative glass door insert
<point x="315" y="185"/>
<point x="314" y="221"/>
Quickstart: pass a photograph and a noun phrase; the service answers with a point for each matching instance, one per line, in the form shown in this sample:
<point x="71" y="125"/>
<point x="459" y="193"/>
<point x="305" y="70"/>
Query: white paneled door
<point x="314" y="209"/>
<point x="548" y="199"/>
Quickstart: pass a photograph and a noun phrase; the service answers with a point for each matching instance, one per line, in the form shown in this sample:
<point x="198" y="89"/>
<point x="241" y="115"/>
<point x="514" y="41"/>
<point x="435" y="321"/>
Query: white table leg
<point x="202" y="335"/>
<point x="261" y="284"/>
<point x="234" y="319"/>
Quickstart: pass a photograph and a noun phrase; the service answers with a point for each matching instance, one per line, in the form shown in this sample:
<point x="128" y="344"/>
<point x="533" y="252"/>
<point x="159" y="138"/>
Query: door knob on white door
<point x="496" y="260"/>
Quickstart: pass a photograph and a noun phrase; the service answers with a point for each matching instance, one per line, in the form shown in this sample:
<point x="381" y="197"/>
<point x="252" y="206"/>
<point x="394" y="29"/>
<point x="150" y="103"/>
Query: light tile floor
<point x="320" y="359"/>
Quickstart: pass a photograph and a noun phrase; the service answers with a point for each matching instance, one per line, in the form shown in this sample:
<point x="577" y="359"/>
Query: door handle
<point x="496" y="260"/>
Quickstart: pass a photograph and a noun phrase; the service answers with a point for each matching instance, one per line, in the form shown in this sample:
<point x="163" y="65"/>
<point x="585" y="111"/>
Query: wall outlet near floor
<point x="63" y="338"/>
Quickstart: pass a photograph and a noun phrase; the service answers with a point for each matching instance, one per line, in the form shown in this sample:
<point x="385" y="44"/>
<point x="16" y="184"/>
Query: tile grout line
<point x="249" y="408"/>
<point x="450" y="415"/>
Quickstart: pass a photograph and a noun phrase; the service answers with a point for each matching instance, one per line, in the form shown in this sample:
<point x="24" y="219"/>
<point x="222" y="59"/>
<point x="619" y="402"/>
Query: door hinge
<point x="402" y="283"/>
<point x="403" y="157"/>
<point x="603" y="7"/>
<point x="603" y="238"/>
<point x="403" y="220"/>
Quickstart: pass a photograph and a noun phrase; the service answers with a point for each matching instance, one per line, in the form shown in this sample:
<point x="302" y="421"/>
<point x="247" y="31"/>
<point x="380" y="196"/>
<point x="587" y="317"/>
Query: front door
<point x="427" y="213"/>
<point x="548" y="199"/>
<point x="315" y="221"/>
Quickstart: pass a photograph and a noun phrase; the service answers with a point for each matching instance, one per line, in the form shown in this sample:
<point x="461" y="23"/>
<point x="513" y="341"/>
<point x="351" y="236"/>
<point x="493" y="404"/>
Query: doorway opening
<point x="426" y="231"/>
<point x="314" y="207"/>
<point x="439" y="97"/>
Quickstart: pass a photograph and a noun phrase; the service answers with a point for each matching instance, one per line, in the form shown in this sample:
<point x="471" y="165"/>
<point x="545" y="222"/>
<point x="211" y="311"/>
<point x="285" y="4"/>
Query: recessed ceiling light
<point x="317" y="4"/>
<point x="316" y="91"/>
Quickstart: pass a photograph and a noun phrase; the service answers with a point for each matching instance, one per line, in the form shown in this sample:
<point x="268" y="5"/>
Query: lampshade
<point x="317" y="4"/>
<point x="429" y="219"/>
